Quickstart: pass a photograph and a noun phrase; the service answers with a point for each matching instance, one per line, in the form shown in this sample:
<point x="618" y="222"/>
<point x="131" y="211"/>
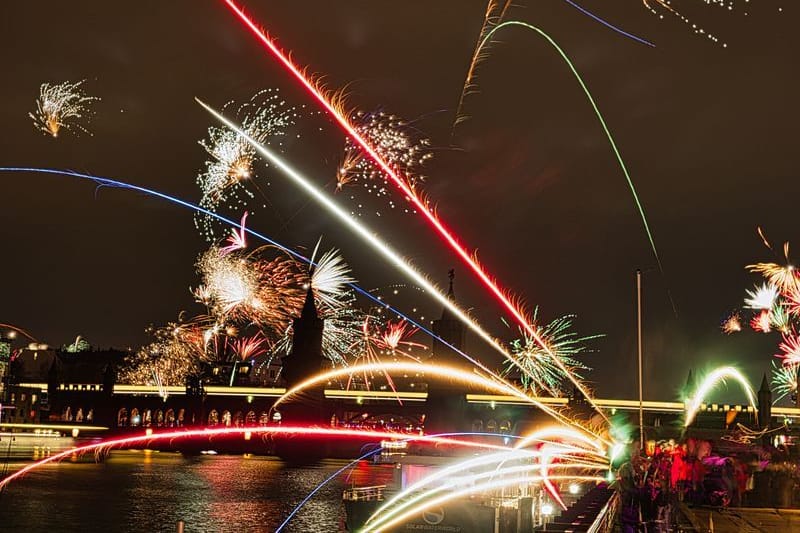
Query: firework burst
<point x="784" y="277"/>
<point x="330" y="279"/>
<point x="789" y="349"/>
<point x="175" y="353"/>
<point x="762" y="297"/>
<point x="250" y="288"/>
<point x="237" y="239"/>
<point x="784" y="380"/>
<point x="541" y="372"/>
<point x="61" y="106"/>
<point x="732" y="324"/>
<point x="264" y="117"/>
<point x="762" y="322"/>
<point x="400" y="145"/>
<point x="245" y="348"/>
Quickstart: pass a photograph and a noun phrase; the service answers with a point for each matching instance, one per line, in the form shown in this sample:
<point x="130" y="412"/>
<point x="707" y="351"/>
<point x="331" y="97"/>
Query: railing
<point x="607" y="516"/>
<point x="364" y="494"/>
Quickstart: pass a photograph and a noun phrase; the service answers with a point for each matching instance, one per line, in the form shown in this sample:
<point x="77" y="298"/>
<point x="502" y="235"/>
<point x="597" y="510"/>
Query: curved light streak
<point x="419" y="203"/>
<point x="401" y="500"/>
<point x="385" y="250"/>
<point x="609" y="25"/>
<point x="373" y="452"/>
<point x="259" y="430"/>
<point x="710" y="381"/>
<point x="19" y="330"/>
<point x="599" y="117"/>
<point x="500" y="457"/>
<point x="385" y="513"/>
<point x="441" y="371"/>
<point x="491" y="485"/>
<point x="567" y="434"/>
<point x="108" y="182"/>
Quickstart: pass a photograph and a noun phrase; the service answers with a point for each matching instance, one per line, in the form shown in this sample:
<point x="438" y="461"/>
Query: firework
<point x="780" y="318"/>
<point x="174" y="354"/>
<point x="762" y="297"/>
<point x="732" y="324"/>
<point x="569" y="446"/>
<point x="397" y="143"/>
<point x="203" y="294"/>
<point x="382" y="343"/>
<point x="417" y="201"/>
<point x="229" y="282"/>
<point x="396" y="340"/>
<point x="540" y="370"/>
<point x="250" y="288"/>
<point x="783" y="277"/>
<point x="493" y="16"/>
<point x="784" y="380"/>
<point x="789" y="349"/>
<point x="264" y="117"/>
<point x="719" y="375"/>
<point x="61" y="106"/>
<point x="236" y="240"/>
<point x="330" y="280"/>
<point x="398" y="261"/>
<point x="762" y="322"/>
<point x="250" y="347"/>
<point x="495" y="13"/>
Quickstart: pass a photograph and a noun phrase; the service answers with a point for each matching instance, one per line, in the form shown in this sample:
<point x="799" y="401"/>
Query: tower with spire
<point x="449" y="329"/>
<point x="446" y="402"/>
<point x="764" y="404"/>
<point x="305" y="358"/>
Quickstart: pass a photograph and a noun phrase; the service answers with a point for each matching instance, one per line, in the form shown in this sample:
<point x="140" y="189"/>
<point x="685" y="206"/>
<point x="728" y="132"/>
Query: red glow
<point x="299" y="431"/>
<point x="421" y="205"/>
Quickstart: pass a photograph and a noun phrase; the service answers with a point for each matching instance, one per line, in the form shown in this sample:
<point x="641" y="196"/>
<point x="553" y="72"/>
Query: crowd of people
<point x="651" y="484"/>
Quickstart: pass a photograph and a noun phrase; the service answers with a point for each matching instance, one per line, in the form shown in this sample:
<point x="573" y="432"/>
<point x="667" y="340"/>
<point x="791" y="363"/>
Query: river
<point x="145" y="491"/>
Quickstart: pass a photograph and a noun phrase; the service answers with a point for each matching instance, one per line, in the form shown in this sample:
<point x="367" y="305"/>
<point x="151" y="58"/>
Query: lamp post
<point x="639" y="342"/>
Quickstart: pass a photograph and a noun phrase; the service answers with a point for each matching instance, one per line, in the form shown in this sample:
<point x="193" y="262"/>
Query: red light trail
<point x="299" y="431"/>
<point x="421" y="205"/>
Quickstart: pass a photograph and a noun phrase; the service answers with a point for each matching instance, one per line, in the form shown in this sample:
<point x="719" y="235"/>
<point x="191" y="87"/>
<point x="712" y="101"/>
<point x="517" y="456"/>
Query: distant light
<point x="547" y="509"/>
<point x="75" y="433"/>
<point x="247" y="435"/>
<point x="574" y="488"/>
<point x="148" y="431"/>
<point x="12" y="334"/>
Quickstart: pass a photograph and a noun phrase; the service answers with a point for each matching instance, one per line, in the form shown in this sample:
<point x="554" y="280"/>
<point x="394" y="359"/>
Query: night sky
<point x="709" y="135"/>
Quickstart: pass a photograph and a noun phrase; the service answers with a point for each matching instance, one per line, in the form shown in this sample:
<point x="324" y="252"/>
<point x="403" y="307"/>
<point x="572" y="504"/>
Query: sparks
<point x="62" y="106"/>
<point x="402" y="184"/>
<point x="762" y="322"/>
<point x="265" y="117"/>
<point x="789" y="349"/>
<point x="717" y="376"/>
<point x="236" y="240"/>
<point x="732" y="324"/>
<point x="762" y="297"/>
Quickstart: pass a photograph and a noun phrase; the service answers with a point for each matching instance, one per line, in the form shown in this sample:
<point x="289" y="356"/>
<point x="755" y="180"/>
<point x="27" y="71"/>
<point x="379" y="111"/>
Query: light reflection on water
<point x="143" y="491"/>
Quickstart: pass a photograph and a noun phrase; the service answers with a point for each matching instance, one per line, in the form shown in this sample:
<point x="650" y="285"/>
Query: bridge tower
<point x="451" y="330"/>
<point x="764" y="404"/>
<point x="446" y="404"/>
<point x="304" y="360"/>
